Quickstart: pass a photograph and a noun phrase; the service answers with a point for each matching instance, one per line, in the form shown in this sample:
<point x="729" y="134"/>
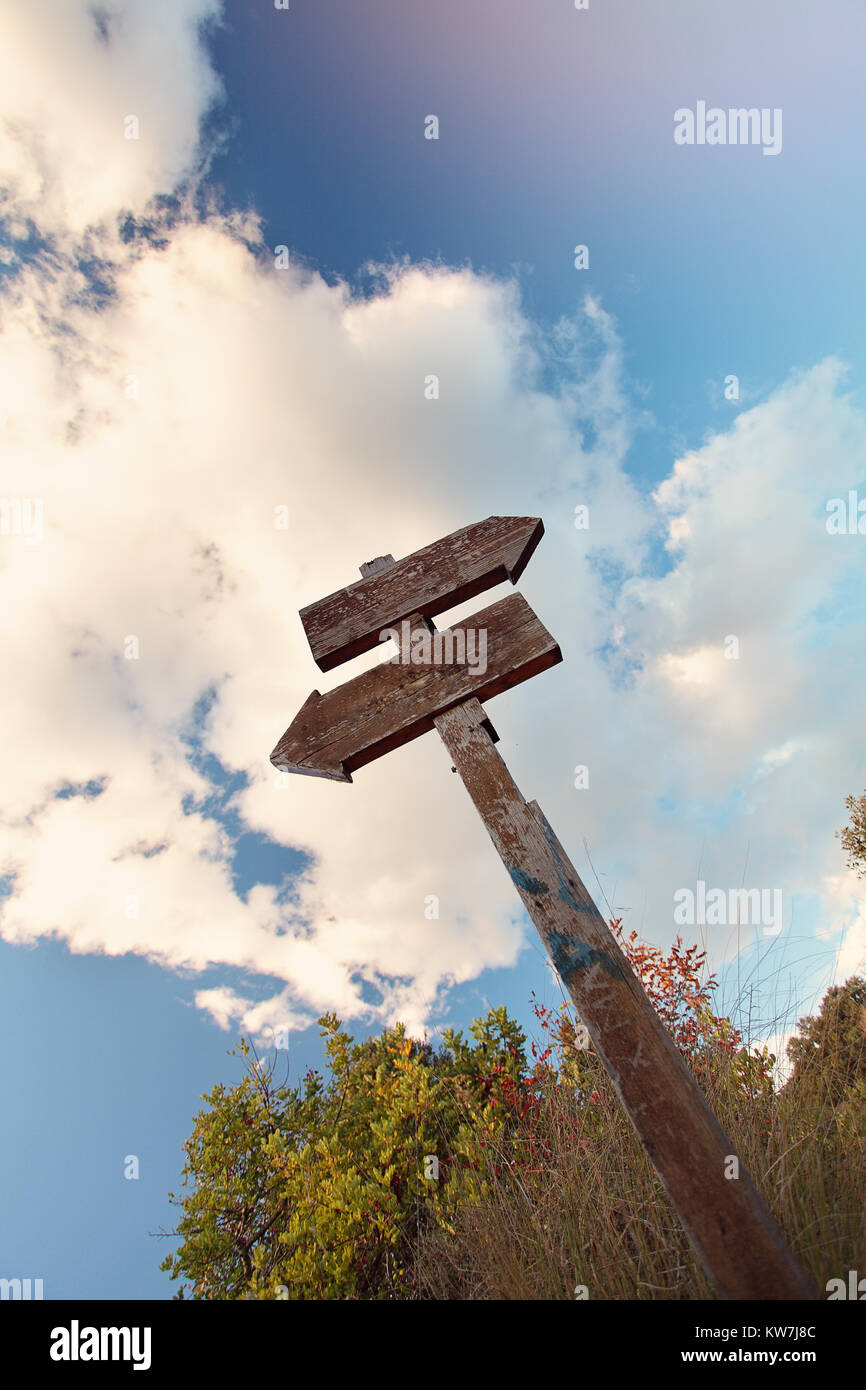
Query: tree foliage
<point x="853" y="836"/>
<point x="325" y="1189"/>
<point x="489" y="1168"/>
<point x="319" y="1191"/>
<point x="829" y="1052"/>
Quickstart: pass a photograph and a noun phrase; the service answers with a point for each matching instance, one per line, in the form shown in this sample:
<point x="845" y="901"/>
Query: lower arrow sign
<point x="495" y="649"/>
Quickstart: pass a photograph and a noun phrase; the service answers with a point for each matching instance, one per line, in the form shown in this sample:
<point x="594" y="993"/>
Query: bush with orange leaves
<point x="571" y="1205"/>
<point x="537" y="1183"/>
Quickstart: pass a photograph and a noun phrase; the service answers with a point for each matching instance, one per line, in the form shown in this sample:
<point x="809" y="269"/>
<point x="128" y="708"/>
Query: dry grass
<point x="570" y="1199"/>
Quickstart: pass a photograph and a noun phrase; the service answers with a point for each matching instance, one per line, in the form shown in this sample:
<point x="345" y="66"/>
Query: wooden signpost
<point x="740" y="1245"/>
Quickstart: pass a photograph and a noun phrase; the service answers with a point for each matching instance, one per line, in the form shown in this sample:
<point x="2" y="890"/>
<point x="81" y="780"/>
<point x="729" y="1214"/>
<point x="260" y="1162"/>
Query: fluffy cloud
<point x="100" y="107"/>
<point x="165" y="427"/>
<point x="252" y="390"/>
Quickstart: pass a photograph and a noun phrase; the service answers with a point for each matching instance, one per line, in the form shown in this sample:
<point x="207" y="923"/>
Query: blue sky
<point x="165" y="389"/>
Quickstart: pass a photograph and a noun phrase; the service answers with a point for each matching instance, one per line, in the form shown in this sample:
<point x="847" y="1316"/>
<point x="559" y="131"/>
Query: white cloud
<point x="71" y="76"/>
<point x="256" y="388"/>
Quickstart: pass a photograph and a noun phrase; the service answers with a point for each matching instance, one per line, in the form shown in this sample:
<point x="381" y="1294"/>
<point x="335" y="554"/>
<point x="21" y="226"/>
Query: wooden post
<point x="740" y="1246"/>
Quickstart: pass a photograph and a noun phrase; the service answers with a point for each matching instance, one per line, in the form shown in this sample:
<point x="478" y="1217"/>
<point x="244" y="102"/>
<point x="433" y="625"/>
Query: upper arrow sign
<point x="438" y="577"/>
<point x="385" y="707"/>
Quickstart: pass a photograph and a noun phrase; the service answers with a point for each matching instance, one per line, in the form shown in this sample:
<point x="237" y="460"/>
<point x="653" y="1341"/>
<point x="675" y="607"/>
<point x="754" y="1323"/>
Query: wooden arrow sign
<point x="740" y="1245"/>
<point x="382" y="709"/>
<point x="440" y="576"/>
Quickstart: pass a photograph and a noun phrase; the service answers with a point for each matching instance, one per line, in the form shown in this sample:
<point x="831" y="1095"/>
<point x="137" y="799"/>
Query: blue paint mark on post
<point x="568" y="954"/>
<point x="526" y="882"/>
<point x="566" y="893"/>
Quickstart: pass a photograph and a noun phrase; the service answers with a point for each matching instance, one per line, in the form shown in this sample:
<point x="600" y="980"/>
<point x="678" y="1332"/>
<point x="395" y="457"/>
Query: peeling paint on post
<point x="526" y="883"/>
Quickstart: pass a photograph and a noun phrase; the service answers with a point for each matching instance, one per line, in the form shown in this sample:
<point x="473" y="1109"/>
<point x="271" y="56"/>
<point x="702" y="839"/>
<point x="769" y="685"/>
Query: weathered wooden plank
<point x="453" y="569"/>
<point x="391" y="704"/>
<point x="381" y="562"/>
<point x="742" y="1249"/>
